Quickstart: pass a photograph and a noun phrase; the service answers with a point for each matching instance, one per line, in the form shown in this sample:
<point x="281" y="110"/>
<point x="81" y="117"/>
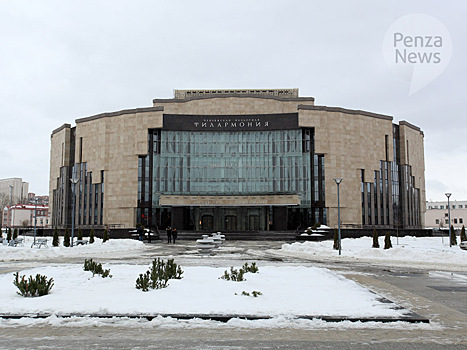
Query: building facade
<point x="237" y="160"/>
<point x="15" y="189"/>
<point x="24" y="215"/>
<point x="437" y="214"/>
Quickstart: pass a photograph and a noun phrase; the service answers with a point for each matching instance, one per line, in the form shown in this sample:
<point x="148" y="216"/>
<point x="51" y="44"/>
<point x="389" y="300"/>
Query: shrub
<point x="91" y="237"/>
<point x="336" y="240"/>
<point x="239" y="275"/>
<point x="463" y="236"/>
<point x="159" y="274"/>
<point x="33" y="287"/>
<point x="375" y="239"/>
<point x="15" y="233"/>
<point x="254" y="293"/>
<point x="55" y="240"/>
<point x="387" y="241"/>
<point x="80" y="234"/>
<point x="96" y="268"/>
<point x="453" y="236"/>
<point x="8" y="234"/>
<point x="66" y="238"/>
<point x="105" y="236"/>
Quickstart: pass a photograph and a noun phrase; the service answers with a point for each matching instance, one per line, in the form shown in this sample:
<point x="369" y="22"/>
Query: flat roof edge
<point x="345" y="110"/>
<point x="122" y="112"/>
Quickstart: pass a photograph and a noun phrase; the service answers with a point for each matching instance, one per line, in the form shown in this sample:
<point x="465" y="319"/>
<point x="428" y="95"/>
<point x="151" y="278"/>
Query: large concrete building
<point x="238" y="160"/>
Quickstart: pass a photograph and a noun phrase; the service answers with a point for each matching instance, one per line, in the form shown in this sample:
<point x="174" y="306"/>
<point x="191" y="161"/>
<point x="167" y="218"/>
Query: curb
<point x="410" y="318"/>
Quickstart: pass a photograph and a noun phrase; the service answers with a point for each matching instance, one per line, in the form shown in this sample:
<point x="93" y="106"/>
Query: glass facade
<point x="392" y="199"/>
<point x="231" y="163"/>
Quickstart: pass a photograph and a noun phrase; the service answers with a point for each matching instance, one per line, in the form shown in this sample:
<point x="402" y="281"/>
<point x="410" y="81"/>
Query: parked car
<point x="463" y="245"/>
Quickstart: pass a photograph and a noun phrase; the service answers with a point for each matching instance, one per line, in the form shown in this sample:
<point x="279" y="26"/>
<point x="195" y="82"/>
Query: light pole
<point x="74" y="181"/>
<point x="338" y="181"/>
<point x="35" y="219"/>
<point x="449" y="218"/>
<point x="11" y="203"/>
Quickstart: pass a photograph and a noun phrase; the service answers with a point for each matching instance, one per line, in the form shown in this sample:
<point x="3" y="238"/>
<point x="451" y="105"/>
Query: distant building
<point x="437" y="214"/>
<point x="22" y="215"/>
<point x="40" y="199"/>
<point x="15" y="188"/>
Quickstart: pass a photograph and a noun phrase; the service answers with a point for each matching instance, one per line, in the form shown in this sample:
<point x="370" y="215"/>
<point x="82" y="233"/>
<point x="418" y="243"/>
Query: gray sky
<point x="62" y="60"/>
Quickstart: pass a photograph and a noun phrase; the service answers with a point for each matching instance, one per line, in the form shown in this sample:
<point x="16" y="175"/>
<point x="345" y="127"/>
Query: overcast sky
<point x="63" y="60"/>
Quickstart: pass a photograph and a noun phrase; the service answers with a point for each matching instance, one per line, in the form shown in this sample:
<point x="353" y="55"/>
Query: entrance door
<point x="207" y="222"/>
<point x="230" y="223"/>
<point x="253" y="223"/>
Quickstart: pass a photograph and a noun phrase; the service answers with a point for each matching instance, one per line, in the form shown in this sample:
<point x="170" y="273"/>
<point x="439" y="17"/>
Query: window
<point x="441" y="207"/>
<point x="455" y="221"/>
<point x="461" y="206"/>
<point x="461" y="221"/>
<point x="453" y="207"/>
<point x="437" y="221"/>
<point x="446" y="221"/>
<point x="445" y="215"/>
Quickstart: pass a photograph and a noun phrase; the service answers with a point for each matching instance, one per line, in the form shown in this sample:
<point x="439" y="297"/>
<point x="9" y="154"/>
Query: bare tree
<point x="4" y="201"/>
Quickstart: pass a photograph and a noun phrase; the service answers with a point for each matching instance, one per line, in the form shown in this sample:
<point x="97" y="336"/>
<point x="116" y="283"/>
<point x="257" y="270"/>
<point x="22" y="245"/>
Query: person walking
<point x="140" y="231"/>
<point x="169" y="234"/>
<point x="174" y="234"/>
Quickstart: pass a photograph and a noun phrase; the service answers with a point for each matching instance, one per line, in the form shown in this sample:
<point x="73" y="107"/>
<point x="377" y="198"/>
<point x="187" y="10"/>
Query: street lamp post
<point x="449" y="218"/>
<point x="338" y="181"/>
<point x="11" y="203"/>
<point x="35" y="220"/>
<point x="74" y="181"/>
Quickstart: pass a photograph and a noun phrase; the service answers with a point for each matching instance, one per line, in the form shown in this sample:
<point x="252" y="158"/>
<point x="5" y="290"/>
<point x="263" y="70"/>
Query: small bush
<point x="80" y="234"/>
<point x="387" y="241"/>
<point x="91" y="237"/>
<point x="15" y="233"/>
<point x="96" y="268"/>
<point x="55" y="240"/>
<point x="254" y="293"/>
<point x="66" y="238"/>
<point x="252" y="268"/>
<point x="8" y="234"/>
<point x="375" y="239"/>
<point x="453" y="236"/>
<point x="33" y="287"/>
<point x="463" y="237"/>
<point x="239" y="275"/>
<point x="105" y="236"/>
<point x="158" y="275"/>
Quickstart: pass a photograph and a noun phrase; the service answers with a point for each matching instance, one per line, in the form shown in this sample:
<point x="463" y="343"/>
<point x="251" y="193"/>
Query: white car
<point x="463" y="245"/>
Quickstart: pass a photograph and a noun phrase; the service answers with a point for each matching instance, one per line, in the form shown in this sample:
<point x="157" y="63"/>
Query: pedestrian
<point x="174" y="234"/>
<point x="149" y="236"/>
<point x="140" y="231"/>
<point x="169" y="234"/>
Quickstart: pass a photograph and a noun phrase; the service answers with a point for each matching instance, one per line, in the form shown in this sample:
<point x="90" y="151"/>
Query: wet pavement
<point x="440" y="296"/>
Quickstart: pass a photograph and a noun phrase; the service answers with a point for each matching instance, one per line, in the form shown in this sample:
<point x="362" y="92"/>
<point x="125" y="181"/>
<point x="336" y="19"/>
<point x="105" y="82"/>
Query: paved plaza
<point x="436" y="295"/>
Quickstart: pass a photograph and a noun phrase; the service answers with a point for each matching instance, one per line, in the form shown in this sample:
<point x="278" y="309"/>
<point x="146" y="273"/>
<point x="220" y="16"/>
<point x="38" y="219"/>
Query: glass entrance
<point x="230" y="223"/>
<point x="207" y="223"/>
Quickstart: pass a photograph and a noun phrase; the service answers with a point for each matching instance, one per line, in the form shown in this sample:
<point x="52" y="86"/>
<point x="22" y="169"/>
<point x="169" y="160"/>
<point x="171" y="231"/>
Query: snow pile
<point x="25" y="252"/>
<point x="411" y="250"/>
<point x="286" y="291"/>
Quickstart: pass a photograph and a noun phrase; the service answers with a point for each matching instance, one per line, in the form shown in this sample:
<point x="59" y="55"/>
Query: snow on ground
<point x="170" y="323"/>
<point x="411" y="251"/>
<point x="25" y="252"/>
<point x="286" y="291"/>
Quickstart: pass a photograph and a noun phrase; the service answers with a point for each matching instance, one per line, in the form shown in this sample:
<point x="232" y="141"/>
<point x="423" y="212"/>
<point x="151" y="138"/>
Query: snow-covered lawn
<point x="121" y="247"/>
<point x="412" y="251"/>
<point x="286" y="291"/>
